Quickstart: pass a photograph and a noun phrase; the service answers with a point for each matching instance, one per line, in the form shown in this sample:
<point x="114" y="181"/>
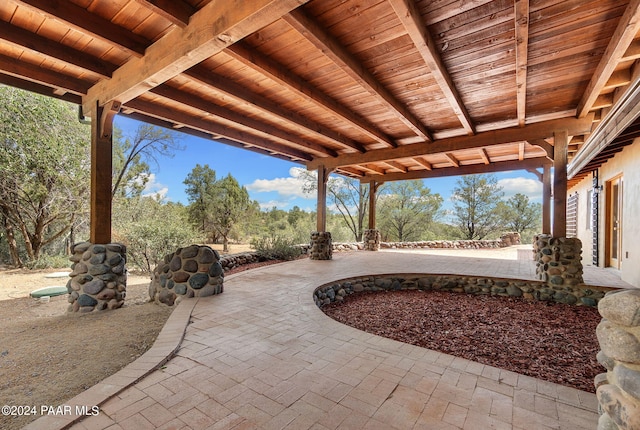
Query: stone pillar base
<point x="98" y="278"/>
<point x="618" y="390"/>
<point x="371" y="239"/>
<point x="194" y="271"/>
<point x="321" y="246"/>
<point x="558" y="260"/>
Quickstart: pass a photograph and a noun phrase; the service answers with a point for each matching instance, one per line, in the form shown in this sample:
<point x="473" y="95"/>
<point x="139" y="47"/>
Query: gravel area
<point x="549" y="341"/>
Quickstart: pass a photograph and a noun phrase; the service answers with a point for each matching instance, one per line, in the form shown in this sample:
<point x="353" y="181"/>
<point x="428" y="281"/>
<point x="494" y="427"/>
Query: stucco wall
<point x="627" y="163"/>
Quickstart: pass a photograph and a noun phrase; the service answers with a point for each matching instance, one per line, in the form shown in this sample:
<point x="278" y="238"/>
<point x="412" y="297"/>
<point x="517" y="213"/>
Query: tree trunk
<point x="225" y="243"/>
<point x="11" y="242"/>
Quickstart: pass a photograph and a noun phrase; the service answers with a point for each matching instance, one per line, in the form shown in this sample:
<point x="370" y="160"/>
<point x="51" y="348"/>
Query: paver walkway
<point x="263" y="356"/>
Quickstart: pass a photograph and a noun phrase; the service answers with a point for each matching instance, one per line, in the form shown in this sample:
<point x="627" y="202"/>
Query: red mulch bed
<point x="549" y="341"/>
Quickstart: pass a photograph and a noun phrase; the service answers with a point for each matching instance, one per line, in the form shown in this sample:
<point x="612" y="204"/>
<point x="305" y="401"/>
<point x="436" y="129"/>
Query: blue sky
<point x="272" y="181"/>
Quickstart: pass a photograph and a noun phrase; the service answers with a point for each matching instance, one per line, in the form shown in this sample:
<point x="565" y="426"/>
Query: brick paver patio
<point x="263" y="356"/>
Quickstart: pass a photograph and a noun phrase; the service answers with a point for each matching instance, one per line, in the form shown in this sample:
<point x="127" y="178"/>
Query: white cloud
<point x="531" y="188"/>
<point x="291" y="186"/>
<point x="154" y="189"/>
<point x="279" y="204"/>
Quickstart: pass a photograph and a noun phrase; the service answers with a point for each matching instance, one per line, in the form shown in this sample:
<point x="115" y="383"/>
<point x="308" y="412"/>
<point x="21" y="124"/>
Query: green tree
<point x="151" y="229"/>
<point x="347" y="195"/>
<point x="201" y="191"/>
<point x="407" y="209"/>
<point x="230" y="203"/>
<point x="131" y="157"/>
<point x="520" y="215"/>
<point x="476" y="199"/>
<point x="44" y="170"/>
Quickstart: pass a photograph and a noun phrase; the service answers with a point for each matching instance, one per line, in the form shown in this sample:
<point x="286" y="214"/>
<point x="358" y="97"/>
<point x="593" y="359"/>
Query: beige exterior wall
<point x="627" y="164"/>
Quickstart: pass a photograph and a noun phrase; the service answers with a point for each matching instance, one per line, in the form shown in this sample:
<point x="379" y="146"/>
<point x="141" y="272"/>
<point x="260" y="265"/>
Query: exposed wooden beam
<point x="242" y="120"/>
<point x="34" y="73"/>
<point x="625" y="32"/>
<point x="243" y="95"/>
<point x="170" y="115"/>
<point x="632" y="52"/>
<point x="214" y="27"/>
<point x="603" y="101"/>
<point x="544" y="145"/>
<point x="424" y="163"/>
<point x="540" y="130"/>
<point x="38" y="88"/>
<point x="452" y="159"/>
<point x="536" y="173"/>
<point x="396" y="166"/>
<point x="471" y="169"/>
<point x="619" y="78"/>
<point x="522" y="47"/>
<point x="277" y="72"/>
<point x="101" y="171"/>
<point x="372" y="169"/>
<point x="484" y="155"/>
<point x="331" y="47"/>
<point x="86" y="22"/>
<point x="410" y="17"/>
<point x="176" y="11"/>
<point x="521" y="148"/>
<point x="43" y="46"/>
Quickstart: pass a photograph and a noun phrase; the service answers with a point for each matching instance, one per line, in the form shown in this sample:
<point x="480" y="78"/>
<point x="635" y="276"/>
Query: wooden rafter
<point x="89" y="23"/>
<point x="424" y="163"/>
<point x="409" y="15"/>
<point x="43" y="46"/>
<point x="396" y="166"/>
<point x="168" y="114"/>
<point x="521" y="149"/>
<point x="484" y="155"/>
<point x="625" y="32"/>
<point x="242" y="95"/>
<point x="452" y="159"/>
<point x="535" y="131"/>
<point x="242" y="120"/>
<point x="371" y="169"/>
<point x="471" y="169"/>
<point x="210" y="30"/>
<point x="251" y="58"/>
<point x="176" y="11"/>
<point x="522" y="44"/>
<point x="38" y="75"/>
<point x="317" y="35"/>
<point x="544" y="145"/>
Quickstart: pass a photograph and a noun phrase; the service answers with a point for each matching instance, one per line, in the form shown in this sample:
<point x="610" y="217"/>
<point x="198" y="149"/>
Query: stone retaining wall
<point x="194" y="271"/>
<point x="529" y="290"/>
<point x="98" y="278"/>
<point x="618" y="389"/>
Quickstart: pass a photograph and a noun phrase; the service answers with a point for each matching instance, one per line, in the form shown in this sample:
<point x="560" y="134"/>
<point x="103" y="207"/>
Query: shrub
<point x="275" y="247"/>
<point x="46" y="261"/>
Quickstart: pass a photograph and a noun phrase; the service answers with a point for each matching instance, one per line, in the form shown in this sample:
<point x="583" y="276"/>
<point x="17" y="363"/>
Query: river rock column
<point x="372" y="239"/>
<point x="98" y="278"/>
<point x="194" y="271"/>
<point x="558" y="259"/>
<point x="618" y="390"/>
<point x="321" y="246"/>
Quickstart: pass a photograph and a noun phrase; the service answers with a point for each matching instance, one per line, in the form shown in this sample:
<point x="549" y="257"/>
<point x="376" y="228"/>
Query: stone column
<point x="371" y="238"/>
<point x="558" y="260"/>
<point x="618" y="390"/>
<point x="98" y="278"/>
<point x="194" y="271"/>
<point x="321" y="246"/>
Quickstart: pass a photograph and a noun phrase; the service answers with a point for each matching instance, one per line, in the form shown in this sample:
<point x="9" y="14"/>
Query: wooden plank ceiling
<point x="375" y="89"/>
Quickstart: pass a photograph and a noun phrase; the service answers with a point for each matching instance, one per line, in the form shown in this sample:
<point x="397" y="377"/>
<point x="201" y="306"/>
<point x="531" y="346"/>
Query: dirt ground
<point x="48" y="356"/>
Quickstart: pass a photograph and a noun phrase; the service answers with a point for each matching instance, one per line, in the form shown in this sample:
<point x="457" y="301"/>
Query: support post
<point x="546" y="199"/>
<point x="371" y="236"/>
<point x="323" y="177"/>
<point x="321" y="243"/>
<point x="373" y="188"/>
<point x="101" y="165"/>
<point x="561" y="142"/>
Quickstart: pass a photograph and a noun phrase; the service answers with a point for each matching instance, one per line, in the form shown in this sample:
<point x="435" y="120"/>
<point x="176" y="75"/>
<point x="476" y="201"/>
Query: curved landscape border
<point x="579" y="295"/>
